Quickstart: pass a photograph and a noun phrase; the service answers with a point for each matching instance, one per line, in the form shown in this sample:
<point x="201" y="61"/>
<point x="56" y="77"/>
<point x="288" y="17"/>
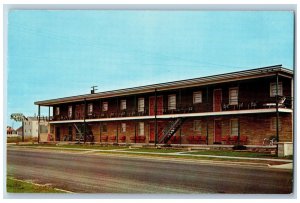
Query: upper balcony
<point x="242" y="106"/>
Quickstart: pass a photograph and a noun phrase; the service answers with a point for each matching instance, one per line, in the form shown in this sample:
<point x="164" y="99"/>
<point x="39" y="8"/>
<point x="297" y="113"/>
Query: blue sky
<point x="54" y="54"/>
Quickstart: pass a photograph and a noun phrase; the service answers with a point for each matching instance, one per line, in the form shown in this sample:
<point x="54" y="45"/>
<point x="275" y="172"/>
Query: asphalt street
<point x="104" y="173"/>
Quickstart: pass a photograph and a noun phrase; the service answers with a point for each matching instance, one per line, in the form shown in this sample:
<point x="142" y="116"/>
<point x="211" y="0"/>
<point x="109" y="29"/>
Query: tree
<point x="19" y="117"/>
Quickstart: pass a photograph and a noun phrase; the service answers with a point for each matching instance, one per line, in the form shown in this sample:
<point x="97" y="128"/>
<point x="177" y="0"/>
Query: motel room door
<point x="218" y="131"/>
<point x="57" y="134"/>
<point x="217" y="100"/>
<point x="152" y="105"/>
<point x="160" y="127"/>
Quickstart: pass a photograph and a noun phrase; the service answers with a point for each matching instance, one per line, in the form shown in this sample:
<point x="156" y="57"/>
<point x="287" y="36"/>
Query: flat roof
<point x="201" y="81"/>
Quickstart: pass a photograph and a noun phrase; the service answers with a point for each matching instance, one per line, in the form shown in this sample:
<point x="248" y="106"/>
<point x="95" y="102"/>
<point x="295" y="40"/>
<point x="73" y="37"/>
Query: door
<point x="152" y="105"/>
<point x="218" y="131"/>
<point x="217" y="100"/>
<point x="160" y="127"/>
<point x="57" y="134"/>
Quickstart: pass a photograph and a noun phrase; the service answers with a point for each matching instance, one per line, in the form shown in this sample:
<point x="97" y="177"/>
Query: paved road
<point x="90" y="173"/>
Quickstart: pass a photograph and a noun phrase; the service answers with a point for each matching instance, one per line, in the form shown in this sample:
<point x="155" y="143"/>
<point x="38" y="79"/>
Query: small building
<point x="245" y="107"/>
<point x="31" y="125"/>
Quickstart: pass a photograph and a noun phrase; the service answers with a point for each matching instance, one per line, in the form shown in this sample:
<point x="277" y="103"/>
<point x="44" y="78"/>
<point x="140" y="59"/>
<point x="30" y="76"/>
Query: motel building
<point x="247" y="107"/>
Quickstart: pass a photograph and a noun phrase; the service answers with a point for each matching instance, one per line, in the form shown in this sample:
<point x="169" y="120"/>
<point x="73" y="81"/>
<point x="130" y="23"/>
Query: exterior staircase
<point x="170" y="130"/>
<point x="80" y="134"/>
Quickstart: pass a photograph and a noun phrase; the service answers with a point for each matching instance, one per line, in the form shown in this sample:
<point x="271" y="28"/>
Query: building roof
<point x="201" y="81"/>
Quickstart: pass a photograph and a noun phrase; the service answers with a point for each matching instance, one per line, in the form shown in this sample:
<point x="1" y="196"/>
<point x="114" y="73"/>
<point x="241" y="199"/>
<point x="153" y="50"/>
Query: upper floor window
<point x="273" y="90"/>
<point x="57" y="110"/>
<point x="105" y="106"/>
<point x="90" y="109"/>
<point x="234" y="127"/>
<point x="141" y="104"/>
<point x="70" y="111"/>
<point x="233" y="96"/>
<point x="197" y="97"/>
<point x="172" y="102"/>
<point x="123" y="105"/>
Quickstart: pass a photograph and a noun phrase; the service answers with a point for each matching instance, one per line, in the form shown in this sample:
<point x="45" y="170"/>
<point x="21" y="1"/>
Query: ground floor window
<point x="104" y="127"/>
<point x="273" y="124"/>
<point x="197" y="126"/>
<point x="141" y="128"/>
<point x="234" y="127"/>
<point x="123" y="127"/>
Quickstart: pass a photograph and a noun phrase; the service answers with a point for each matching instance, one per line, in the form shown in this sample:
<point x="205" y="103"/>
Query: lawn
<point x="233" y="153"/>
<point x="78" y="146"/>
<point x="17" y="186"/>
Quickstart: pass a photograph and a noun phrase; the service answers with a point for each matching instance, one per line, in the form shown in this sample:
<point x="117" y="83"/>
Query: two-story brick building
<point x="245" y="107"/>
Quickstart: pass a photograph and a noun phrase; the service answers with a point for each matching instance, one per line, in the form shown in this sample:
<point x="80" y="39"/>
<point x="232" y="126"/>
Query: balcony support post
<point x="277" y="115"/>
<point x="100" y="131"/>
<point x="207" y="105"/>
<point x="39" y="117"/>
<point x="84" y="123"/>
<point x="155" y="118"/>
<point x="134" y="131"/>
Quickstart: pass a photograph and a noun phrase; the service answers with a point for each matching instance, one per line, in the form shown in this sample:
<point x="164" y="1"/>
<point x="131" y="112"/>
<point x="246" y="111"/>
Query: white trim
<point x="67" y="121"/>
<point x="217" y="113"/>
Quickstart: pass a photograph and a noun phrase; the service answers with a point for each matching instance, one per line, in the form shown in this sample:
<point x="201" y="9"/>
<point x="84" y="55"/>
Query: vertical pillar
<point x="155" y="117"/>
<point x="180" y="135"/>
<point x="277" y="115"/>
<point x="49" y="114"/>
<point x="23" y="130"/>
<point x="207" y="106"/>
<point x="84" y="123"/>
<point x="39" y="116"/>
<point x="117" y="135"/>
<point x="100" y="131"/>
<point x="134" y="131"/>
<point x="238" y="117"/>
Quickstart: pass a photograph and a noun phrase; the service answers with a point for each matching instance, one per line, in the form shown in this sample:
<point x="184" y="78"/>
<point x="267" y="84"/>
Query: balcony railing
<point x="283" y="102"/>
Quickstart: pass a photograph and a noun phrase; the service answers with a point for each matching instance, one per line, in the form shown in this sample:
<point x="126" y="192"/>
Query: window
<point x="123" y="105"/>
<point x="70" y="111"/>
<point x="197" y="97"/>
<point x="141" y="104"/>
<point x="234" y="127"/>
<point x="273" y="124"/>
<point x="172" y="102"/>
<point x="273" y="89"/>
<point x="233" y="96"/>
<point x="105" y="106"/>
<point x="197" y="125"/>
<point x="90" y="109"/>
<point x="123" y="127"/>
<point x="141" y="128"/>
<point x="104" y="127"/>
<point x="57" y="110"/>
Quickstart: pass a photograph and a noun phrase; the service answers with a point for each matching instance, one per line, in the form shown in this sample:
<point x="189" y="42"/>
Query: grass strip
<point x="19" y="186"/>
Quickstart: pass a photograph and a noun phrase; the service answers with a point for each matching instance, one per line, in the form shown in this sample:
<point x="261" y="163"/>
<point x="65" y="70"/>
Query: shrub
<point x="239" y="147"/>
